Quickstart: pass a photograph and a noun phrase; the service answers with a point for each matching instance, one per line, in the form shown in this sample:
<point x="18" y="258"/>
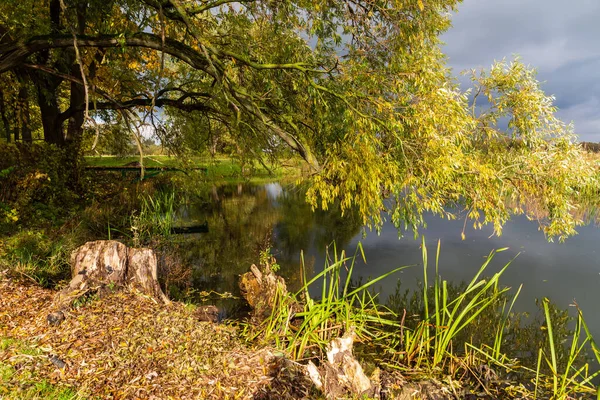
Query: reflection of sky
<point x="273" y="190"/>
<point x="562" y="272"/>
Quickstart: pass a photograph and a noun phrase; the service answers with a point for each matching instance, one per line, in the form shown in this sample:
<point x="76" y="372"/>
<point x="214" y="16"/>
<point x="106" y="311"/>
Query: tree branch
<point x="14" y="54"/>
<point x="209" y="6"/>
<point x="113" y="104"/>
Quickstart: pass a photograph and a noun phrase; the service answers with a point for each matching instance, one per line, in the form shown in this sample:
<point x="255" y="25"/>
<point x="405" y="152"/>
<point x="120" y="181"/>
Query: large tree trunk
<point x="75" y="127"/>
<point x="47" y="86"/>
<point x="48" y="102"/>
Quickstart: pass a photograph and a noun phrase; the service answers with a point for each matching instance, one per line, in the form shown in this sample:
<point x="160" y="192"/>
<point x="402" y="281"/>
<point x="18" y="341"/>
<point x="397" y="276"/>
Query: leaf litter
<point x="123" y="344"/>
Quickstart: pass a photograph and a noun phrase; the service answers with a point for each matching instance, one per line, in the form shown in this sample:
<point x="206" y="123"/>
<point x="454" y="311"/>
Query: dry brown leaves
<point x="126" y="345"/>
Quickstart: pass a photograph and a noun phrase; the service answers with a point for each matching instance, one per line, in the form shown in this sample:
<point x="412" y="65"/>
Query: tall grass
<point x="573" y="378"/>
<point x="36" y="256"/>
<point x="302" y="326"/>
<point x="155" y="218"/>
<point x="450" y="316"/>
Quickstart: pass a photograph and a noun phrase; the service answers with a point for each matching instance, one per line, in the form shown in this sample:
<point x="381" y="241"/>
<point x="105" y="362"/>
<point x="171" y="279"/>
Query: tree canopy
<point x="358" y="89"/>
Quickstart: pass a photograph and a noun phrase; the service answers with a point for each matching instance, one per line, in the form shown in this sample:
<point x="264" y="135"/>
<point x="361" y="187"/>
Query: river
<point x="242" y="219"/>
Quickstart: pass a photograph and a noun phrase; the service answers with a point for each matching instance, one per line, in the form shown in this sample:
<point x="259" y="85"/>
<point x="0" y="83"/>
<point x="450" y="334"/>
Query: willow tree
<point x="358" y="89"/>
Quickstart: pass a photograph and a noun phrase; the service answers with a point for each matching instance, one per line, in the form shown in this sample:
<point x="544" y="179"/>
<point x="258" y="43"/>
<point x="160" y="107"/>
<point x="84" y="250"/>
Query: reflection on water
<point x="244" y="219"/>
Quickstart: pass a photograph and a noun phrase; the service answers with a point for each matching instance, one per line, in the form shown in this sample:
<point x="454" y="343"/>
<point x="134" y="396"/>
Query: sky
<point x="560" y="38"/>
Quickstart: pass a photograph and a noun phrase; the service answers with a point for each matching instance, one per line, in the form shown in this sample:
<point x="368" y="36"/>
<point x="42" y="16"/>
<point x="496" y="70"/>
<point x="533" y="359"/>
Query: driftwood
<point x="105" y="263"/>
<point x="178" y="230"/>
<point x="341" y="374"/>
<point x="338" y="376"/>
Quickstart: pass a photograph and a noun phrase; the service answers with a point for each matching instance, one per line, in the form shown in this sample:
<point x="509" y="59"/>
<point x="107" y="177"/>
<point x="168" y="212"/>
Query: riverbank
<point x="125" y="345"/>
<point x="445" y="335"/>
<point x="219" y="168"/>
<point x="122" y="344"/>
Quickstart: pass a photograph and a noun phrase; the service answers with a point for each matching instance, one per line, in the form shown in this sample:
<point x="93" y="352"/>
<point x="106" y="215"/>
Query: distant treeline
<point x="591" y="146"/>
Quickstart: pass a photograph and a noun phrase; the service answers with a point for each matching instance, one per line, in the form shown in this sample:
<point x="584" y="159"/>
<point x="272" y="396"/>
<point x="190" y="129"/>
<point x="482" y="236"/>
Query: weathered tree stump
<point x="108" y="262"/>
<point x="102" y="261"/>
<point x="261" y="290"/>
<point x="142" y="271"/>
<point x="338" y="376"/>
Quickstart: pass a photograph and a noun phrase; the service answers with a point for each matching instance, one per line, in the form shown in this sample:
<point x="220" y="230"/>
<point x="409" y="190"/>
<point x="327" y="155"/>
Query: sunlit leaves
<point x="359" y="90"/>
<point x="447" y="155"/>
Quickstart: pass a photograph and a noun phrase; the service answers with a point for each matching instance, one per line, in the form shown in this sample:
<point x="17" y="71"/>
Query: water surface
<point x="243" y="219"/>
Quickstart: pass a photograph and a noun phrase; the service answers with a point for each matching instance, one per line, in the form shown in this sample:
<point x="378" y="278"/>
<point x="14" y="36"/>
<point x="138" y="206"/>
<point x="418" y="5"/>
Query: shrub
<point x="37" y="256"/>
<point x="37" y="182"/>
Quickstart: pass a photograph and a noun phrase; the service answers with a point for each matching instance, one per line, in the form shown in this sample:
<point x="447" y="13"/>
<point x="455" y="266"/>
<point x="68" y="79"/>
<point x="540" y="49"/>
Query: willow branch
<point x="113" y="104"/>
<point x="13" y="54"/>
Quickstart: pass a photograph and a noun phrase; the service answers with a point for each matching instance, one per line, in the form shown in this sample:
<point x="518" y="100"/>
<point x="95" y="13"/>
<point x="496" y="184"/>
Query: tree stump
<point x="102" y="261"/>
<point x="341" y="374"/>
<point x="142" y="271"/>
<point x="108" y="262"/>
<point x="261" y="290"/>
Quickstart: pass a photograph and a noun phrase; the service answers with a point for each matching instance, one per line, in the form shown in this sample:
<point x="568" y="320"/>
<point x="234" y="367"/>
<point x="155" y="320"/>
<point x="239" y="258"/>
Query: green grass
<point x="34" y="255"/>
<point x="156" y="161"/>
<point x="5" y="343"/>
<point x="155" y="218"/>
<point x="18" y="379"/>
<point x="572" y="378"/>
<point x="221" y="168"/>
<point x="149" y="161"/>
<point x="436" y="346"/>
<point x="450" y="316"/>
<point x="341" y="307"/>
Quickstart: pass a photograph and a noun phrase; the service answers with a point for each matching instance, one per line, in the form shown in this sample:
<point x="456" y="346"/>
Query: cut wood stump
<point x="142" y="271"/>
<point x="102" y="261"/>
<point x="341" y="374"/>
<point x="110" y="263"/>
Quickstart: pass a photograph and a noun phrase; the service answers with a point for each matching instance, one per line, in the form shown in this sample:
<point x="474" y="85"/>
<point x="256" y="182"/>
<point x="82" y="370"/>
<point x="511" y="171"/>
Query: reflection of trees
<point x="300" y="226"/>
<point x="296" y="227"/>
<point x="302" y="229"/>
<point x="239" y="223"/>
<point x="586" y="210"/>
<point x="244" y="220"/>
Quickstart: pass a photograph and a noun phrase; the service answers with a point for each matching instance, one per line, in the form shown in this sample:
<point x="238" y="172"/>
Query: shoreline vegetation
<point x="444" y="341"/>
<point x="218" y="168"/>
<point x="124" y="344"/>
<point x="353" y="102"/>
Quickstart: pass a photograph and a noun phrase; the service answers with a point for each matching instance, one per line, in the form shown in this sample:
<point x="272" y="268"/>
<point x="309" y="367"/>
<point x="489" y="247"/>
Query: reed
<point x="155" y="218"/>
<point x="572" y="378"/>
<point x="306" y="331"/>
<point x="302" y="326"/>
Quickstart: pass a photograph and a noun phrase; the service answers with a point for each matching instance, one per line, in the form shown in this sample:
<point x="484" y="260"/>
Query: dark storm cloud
<point x="561" y="39"/>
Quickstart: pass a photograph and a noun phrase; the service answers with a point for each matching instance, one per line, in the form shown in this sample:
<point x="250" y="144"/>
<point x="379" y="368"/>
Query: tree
<point x="358" y="89"/>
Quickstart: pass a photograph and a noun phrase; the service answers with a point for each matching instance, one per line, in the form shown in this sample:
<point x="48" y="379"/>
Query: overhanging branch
<point x="180" y="103"/>
<point x="13" y="54"/>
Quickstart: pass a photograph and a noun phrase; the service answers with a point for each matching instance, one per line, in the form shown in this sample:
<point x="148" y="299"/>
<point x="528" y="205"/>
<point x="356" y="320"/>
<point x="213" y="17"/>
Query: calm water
<point x="243" y="219"/>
